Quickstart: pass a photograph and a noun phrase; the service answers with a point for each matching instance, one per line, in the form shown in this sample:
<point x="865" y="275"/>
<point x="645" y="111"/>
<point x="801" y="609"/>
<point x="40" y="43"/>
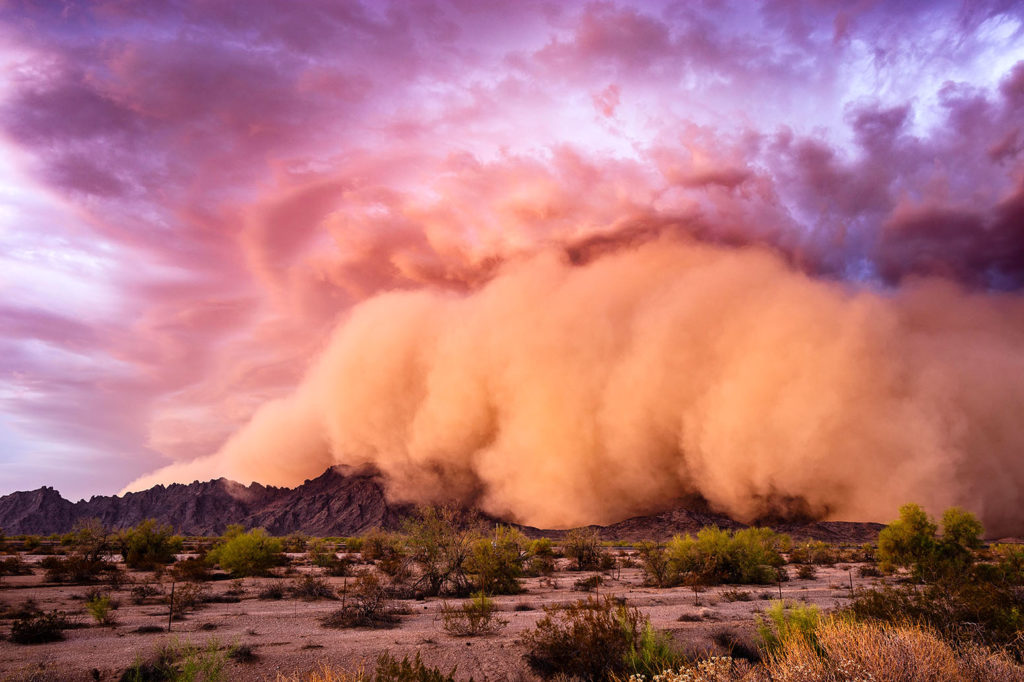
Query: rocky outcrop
<point x="341" y="502"/>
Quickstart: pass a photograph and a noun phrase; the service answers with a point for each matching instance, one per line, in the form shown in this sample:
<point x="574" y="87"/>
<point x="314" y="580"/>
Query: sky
<point x="193" y="194"/>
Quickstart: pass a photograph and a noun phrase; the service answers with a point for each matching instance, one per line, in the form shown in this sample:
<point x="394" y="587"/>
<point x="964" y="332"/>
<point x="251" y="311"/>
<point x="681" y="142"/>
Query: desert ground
<point x="287" y="637"/>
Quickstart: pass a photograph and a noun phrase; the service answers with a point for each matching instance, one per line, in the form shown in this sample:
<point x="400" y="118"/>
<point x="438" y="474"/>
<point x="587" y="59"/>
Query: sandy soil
<point x="288" y="637"/>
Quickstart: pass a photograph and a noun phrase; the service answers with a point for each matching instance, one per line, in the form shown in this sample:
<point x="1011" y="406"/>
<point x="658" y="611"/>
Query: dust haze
<point x="561" y="394"/>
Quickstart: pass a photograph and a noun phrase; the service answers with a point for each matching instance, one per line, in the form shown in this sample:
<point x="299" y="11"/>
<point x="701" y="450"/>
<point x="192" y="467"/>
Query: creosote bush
<point x="101" y="608"/>
<point x="596" y="640"/>
<point x="365" y="604"/>
<point x="39" y="628"/>
<point x="475" y="616"/>
<point x="496" y="562"/>
<point x="911" y="542"/>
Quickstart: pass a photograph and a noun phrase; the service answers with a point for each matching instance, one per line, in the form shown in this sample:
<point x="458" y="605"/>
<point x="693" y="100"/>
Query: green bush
<point x="786" y="621"/>
<point x="475" y="616"/>
<point x="149" y="545"/>
<point x="715" y="556"/>
<point x="911" y="542"/>
<point x="496" y="563"/>
<point x="101" y="609"/>
<point x="247" y="554"/>
<point x="182" y="662"/>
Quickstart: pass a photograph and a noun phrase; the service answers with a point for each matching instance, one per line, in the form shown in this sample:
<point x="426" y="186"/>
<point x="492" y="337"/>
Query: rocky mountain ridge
<point x="342" y="501"/>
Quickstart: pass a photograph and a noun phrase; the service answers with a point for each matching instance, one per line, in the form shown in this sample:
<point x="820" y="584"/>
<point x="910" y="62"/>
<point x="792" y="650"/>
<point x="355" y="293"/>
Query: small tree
<point x="247" y="554"/>
<point x="911" y="542"/>
<point x="584" y="546"/>
<point x="440" y="547"/>
<point x="497" y="562"/>
<point x="148" y="545"/>
<point x="88" y="538"/>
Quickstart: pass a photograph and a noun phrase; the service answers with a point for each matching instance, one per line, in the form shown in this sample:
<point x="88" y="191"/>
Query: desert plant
<point x="88" y="539"/>
<point x="366" y="604"/>
<point x="247" y="554"/>
<point x="587" y="584"/>
<point x="583" y="546"/>
<point x="181" y="662"/>
<point x="806" y="572"/>
<point x="440" y="546"/>
<point x="274" y="590"/>
<point x="38" y="628"/>
<point x="186" y="597"/>
<point x="589" y="639"/>
<point x="814" y="552"/>
<point x="497" y="562"/>
<point x="75" y="569"/>
<point x="192" y="569"/>
<point x="736" y="595"/>
<point x="475" y="616"/>
<point x="714" y="556"/>
<point x="148" y="545"/>
<point x="101" y="609"/>
<point x="311" y="588"/>
<point x="655" y="565"/>
<point x="140" y="594"/>
<point x="785" y="621"/>
<point x="390" y="669"/>
<point x="295" y="543"/>
<point x="911" y="542"/>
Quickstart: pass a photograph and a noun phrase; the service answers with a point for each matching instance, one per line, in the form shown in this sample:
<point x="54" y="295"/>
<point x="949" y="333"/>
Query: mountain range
<point x="340" y="502"/>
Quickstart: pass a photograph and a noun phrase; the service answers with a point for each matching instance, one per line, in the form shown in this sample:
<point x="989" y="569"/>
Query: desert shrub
<point x="475" y="616"/>
<point x="192" y="569"/>
<point x="655" y="565"/>
<point x="1008" y="565"/>
<point x="806" y="572"/>
<point x="594" y="640"/>
<point x="275" y="590"/>
<point x="320" y="552"/>
<point x="88" y="539"/>
<point x="295" y="543"/>
<point x="140" y="594"/>
<point x="736" y="595"/>
<point x="247" y="554"/>
<point x="496" y="563"/>
<point x="814" y="552"/>
<point x="539" y="566"/>
<point x="75" y="569"/>
<point x="869" y="572"/>
<point x="353" y="545"/>
<point x="186" y="597"/>
<point x="101" y="608"/>
<point x="181" y="662"/>
<point x="785" y="621"/>
<point x="390" y="669"/>
<point x="715" y="556"/>
<point x="960" y="609"/>
<point x="379" y="545"/>
<point x="38" y="628"/>
<point x="542" y="547"/>
<point x="243" y="653"/>
<point x="587" y="584"/>
<point x="440" y="546"/>
<point x="148" y="545"/>
<point x="911" y="542"/>
<point x="14" y="565"/>
<point x="311" y="588"/>
<point x="844" y="650"/>
<point x="583" y="546"/>
<point x="606" y="561"/>
<point x="366" y="604"/>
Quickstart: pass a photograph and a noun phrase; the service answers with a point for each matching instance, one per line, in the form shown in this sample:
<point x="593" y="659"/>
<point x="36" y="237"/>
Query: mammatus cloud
<point x="563" y="395"/>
